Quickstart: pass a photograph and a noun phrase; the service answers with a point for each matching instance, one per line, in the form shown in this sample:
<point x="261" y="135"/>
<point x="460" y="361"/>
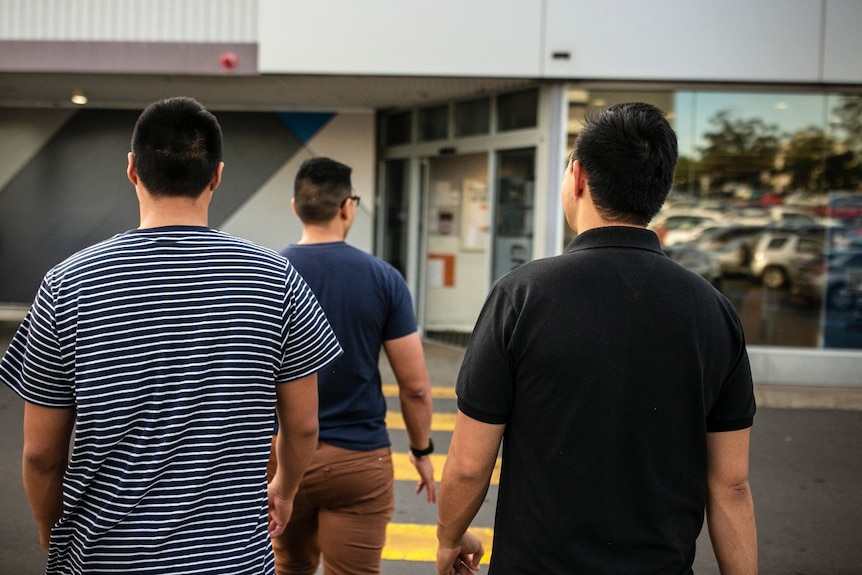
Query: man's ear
<point x="579" y="175"/>
<point x="217" y="177"/>
<point x="131" y="172"/>
<point x="344" y="210"/>
<point x="293" y="206"/>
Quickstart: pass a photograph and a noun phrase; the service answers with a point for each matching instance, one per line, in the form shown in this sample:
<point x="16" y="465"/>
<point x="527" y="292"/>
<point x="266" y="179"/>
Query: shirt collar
<point x="616" y="237"/>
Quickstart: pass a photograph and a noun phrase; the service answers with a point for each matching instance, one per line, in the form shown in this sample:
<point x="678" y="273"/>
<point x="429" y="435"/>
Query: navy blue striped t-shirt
<point x="169" y="342"/>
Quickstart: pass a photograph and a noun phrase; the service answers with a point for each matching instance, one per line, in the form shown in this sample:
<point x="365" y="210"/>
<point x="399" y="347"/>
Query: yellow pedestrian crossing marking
<point x="391" y="390"/>
<point x="404" y="470"/>
<point x="415" y="542"/>
<point x="439" y="421"/>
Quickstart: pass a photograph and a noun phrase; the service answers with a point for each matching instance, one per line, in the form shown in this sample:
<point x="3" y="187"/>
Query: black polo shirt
<point x="608" y="364"/>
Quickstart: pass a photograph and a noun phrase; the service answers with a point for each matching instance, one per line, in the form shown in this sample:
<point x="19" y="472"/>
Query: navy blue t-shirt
<point x="367" y="303"/>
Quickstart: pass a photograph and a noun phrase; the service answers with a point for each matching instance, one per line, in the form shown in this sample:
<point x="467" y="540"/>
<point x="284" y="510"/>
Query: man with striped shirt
<point x="166" y="349"/>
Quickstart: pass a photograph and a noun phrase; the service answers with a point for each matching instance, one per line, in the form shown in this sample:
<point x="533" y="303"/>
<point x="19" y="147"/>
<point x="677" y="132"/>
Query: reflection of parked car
<point x="845" y="207"/>
<point x="676" y="228"/>
<point x="839" y="281"/>
<point x="778" y="255"/>
<point x="787" y="217"/>
<point x="732" y="246"/>
<point x="700" y="262"/>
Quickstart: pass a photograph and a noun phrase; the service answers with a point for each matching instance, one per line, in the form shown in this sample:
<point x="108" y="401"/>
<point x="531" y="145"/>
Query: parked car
<point x="791" y="218"/>
<point x="778" y="256"/>
<point x="837" y="280"/>
<point x="751" y="216"/>
<point x="845" y="207"/>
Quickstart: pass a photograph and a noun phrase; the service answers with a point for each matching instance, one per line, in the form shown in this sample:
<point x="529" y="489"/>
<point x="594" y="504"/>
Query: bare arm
<point x="407" y="359"/>
<point x="730" y="507"/>
<point x="466" y="476"/>
<point x="47" y="432"/>
<point x="296" y="406"/>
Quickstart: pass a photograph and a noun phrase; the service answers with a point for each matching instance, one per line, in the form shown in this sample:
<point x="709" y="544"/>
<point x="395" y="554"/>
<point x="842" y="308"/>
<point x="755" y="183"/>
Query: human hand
<point x="461" y="559"/>
<point x="280" y="510"/>
<point x="425" y="469"/>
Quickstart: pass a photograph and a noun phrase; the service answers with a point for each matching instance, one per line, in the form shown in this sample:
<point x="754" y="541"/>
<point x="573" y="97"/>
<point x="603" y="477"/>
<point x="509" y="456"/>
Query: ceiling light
<point x="79" y="98"/>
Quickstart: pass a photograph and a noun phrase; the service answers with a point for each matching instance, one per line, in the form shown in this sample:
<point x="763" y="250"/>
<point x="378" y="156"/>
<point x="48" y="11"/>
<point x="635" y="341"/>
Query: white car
<point x="684" y="227"/>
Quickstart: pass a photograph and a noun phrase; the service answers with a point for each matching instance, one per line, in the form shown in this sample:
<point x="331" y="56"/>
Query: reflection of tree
<point x="738" y="150"/>
<point x="843" y="171"/>
<point x="803" y="160"/>
<point x="847" y="118"/>
<point x="685" y="177"/>
<point x="744" y="151"/>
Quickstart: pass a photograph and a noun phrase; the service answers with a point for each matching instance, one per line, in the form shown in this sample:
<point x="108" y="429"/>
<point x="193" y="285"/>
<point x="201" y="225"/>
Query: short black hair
<point x="177" y="146"/>
<point x="319" y="189"/>
<point x="629" y="152"/>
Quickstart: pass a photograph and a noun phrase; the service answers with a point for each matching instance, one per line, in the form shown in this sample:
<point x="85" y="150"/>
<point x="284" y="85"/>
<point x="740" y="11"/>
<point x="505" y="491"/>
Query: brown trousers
<point x="345" y="501"/>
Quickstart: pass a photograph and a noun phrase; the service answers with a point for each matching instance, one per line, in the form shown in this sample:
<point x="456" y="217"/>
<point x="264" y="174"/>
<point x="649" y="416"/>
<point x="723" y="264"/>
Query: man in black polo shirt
<point x="619" y="381"/>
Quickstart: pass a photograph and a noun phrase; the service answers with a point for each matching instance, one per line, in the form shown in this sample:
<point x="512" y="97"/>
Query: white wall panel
<point x="129" y="21"/>
<point x="483" y="38"/>
<point x="731" y="40"/>
<point x="267" y="218"/>
<point x="843" y="41"/>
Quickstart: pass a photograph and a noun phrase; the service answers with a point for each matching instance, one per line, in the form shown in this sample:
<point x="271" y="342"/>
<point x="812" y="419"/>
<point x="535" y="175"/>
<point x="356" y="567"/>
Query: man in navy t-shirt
<point x="346" y="497"/>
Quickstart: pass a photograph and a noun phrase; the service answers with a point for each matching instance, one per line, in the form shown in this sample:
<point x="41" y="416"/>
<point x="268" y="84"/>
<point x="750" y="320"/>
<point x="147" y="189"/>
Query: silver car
<point x="778" y="255"/>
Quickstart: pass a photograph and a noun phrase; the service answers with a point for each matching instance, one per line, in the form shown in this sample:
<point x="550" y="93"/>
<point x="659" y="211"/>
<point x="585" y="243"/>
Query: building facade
<point x="457" y="118"/>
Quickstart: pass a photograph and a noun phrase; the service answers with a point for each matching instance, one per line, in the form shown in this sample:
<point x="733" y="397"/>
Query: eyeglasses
<point x="353" y="198"/>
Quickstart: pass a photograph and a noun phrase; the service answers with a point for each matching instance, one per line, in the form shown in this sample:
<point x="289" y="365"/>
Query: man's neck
<point x="172" y="211"/>
<point x="322" y="234"/>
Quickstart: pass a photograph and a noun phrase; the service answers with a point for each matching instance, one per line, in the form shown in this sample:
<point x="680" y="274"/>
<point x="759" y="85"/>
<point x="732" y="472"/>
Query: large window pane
<point x="767" y="188"/>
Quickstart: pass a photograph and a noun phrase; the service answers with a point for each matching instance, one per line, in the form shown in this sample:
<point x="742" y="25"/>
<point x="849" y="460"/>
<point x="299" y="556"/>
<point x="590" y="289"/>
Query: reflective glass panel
<point x="769" y="187"/>
<point x="434" y="123"/>
<point x="517" y="110"/>
<point x="473" y="118"/>
<point x="513" y="237"/>
<point x="399" y="128"/>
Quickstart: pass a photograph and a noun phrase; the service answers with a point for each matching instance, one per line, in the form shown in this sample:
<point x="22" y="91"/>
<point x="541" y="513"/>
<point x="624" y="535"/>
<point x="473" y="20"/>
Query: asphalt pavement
<point x="806" y="475"/>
